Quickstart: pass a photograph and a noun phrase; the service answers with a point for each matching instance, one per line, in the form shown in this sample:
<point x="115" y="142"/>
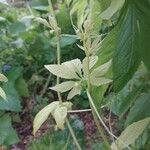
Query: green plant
<point x="90" y="75"/>
<point x="99" y="51"/>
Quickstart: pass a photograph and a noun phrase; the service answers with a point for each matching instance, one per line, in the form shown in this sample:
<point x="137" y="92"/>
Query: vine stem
<point x="58" y="35"/>
<point x="73" y="135"/>
<point x="101" y="120"/>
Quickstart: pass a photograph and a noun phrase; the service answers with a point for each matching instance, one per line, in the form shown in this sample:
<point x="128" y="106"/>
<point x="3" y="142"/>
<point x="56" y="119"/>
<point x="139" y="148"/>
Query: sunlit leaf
<point x="63" y="87"/>
<point x="130" y="134"/>
<point x="101" y="70"/>
<point x="68" y="105"/>
<point x="42" y="116"/>
<point x="42" y="21"/>
<point x="73" y="92"/>
<point x="3" y="78"/>
<point x="92" y="62"/>
<point x="2" y="93"/>
<point x="74" y="66"/>
<point x="114" y="7"/>
<point x="60" y="114"/>
<point x="62" y="71"/>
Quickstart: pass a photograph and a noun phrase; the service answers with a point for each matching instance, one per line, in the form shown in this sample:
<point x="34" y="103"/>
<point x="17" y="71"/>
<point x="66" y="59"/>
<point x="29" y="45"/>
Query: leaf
<point x="98" y="81"/>
<point x="74" y="65"/>
<point x="63" y="87"/>
<point x="130" y="93"/>
<point x="79" y="7"/>
<point x="2" y="93"/>
<point x="14" y="74"/>
<point x="104" y="55"/>
<point x="67" y="40"/>
<point x="60" y="114"/>
<point x="67" y="70"/>
<point x="12" y="102"/>
<point x="41" y="8"/>
<point x="101" y="70"/>
<point x="68" y="105"/>
<point x="98" y="94"/>
<point x="75" y="91"/>
<point x="128" y="45"/>
<point x="97" y="75"/>
<point x="93" y="60"/>
<point x="42" y="116"/>
<point x="17" y="28"/>
<point x="64" y="22"/>
<point x="60" y="71"/>
<point x="140" y="110"/>
<point x="112" y="9"/>
<point x="22" y="87"/>
<point x="3" y="78"/>
<point x="95" y="9"/>
<point x="128" y="42"/>
<point x="130" y="134"/>
<point x="42" y="21"/>
<point x="143" y="24"/>
<point x="8" y="135"/>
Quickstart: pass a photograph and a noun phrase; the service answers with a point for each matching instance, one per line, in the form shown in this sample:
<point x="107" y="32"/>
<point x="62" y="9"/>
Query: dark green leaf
<point x="17" y="28"/>
<point x="8" y="135"/>
<point x="140" y="110"/>
<point x="21" y="87"/>
<point x="67" y="40"/>
<point x="12" y="102"/>
<point x="130" y="42"/>
<point x="128" y="95"/>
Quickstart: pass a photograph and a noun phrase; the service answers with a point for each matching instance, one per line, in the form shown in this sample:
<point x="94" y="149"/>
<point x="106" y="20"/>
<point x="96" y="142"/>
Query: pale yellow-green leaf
<point x="92" y="62"/>
<point x="2" y="93"/>
<point x="97" y="81"/>
<point x="62" y="71"/>
<point x="60" y="114"/>
<point x="75" y="66"/>
<point x="63" y="87"/>
<point x="42" y="116"/>
<point x="68" y="105"/>
<point x="112" y="9"/>
<point x="101" y="70"/>
<point x="53" y="23"/>
<point x="3" y="78"/>
<point x="42" y="21"/>
<point x="79" y="8"/>
<point x="130" y="134"/>
<point x="95" y="45"/>
<point x="75" y="91"/>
